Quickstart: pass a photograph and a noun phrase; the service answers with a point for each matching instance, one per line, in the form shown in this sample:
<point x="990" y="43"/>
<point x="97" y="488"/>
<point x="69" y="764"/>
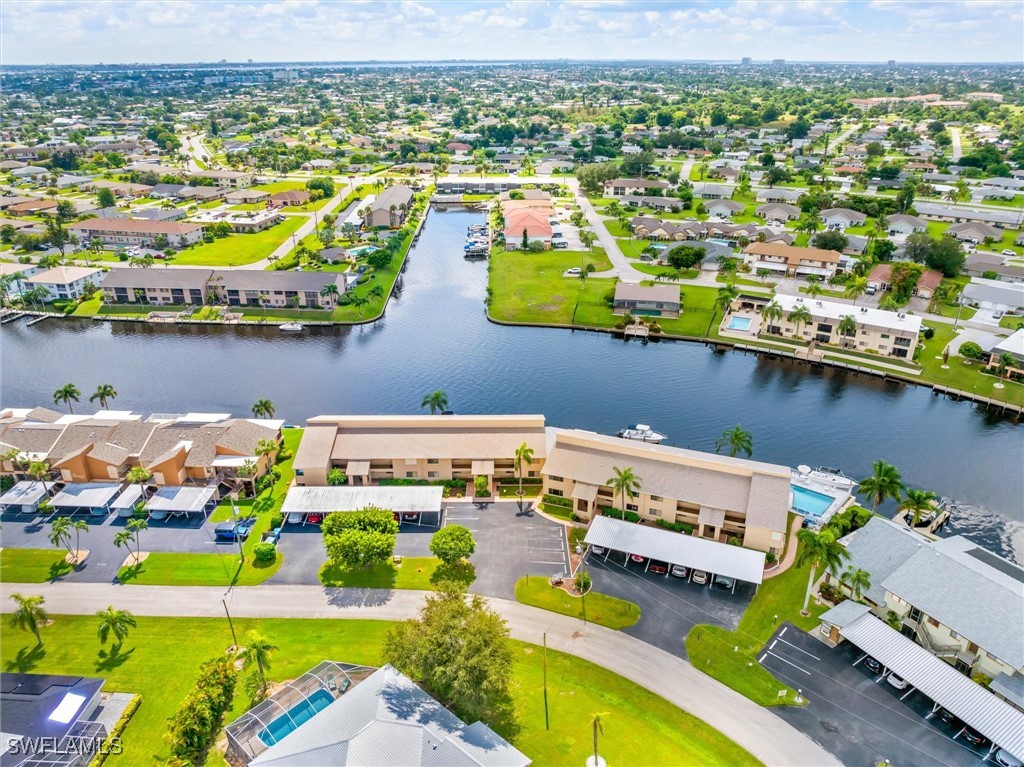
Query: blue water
<point x="726" y="243"/>
<point x="740" y="323"/>
<point x="297" y="716"/>
<point x="810" y="503"/>
<point x="362" y="249"/>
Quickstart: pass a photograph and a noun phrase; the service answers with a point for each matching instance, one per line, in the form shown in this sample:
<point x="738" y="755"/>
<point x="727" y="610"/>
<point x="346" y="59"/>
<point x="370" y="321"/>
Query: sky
<point x="164" y="31"/>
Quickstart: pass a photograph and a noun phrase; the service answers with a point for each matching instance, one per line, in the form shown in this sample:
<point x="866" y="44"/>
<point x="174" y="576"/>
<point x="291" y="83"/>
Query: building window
<point x="632" y="507"/>
<point x="298" y="473"/>
<point x="885" y="336"/>
<point x="932" y="622"/>
<point x="432" y="461"/>
<point x="654" y="512"/>
<point x="657" y="498"/>
<point x="553" y="478"/>
<point x="433" y="474"/>
<point x="410" y="475"/>
<point x="556" y="491"/>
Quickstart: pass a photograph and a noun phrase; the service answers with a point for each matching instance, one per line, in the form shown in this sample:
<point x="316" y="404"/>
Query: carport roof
<point x="677" y="549"/>
<point x="181" y="499"/>
<point x="341" y="498"/>
<point x="85" y="495"/>
<point x="996" y="719"/>
<point x="128" y="498"/>
<point x="25" y="492"/>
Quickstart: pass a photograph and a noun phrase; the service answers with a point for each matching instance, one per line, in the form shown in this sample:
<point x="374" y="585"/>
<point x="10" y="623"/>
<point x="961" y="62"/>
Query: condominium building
<point x="133" y="231"/>
<point x="790" y="260"/>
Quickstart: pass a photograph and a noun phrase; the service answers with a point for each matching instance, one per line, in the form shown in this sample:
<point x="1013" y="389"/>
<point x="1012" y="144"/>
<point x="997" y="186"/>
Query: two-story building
<point x="63" y="282"/>
<point x="134" y="231"/>
<point x="790" y="260"/>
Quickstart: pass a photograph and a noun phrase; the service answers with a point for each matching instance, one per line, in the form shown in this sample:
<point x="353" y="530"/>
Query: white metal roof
<point x="86" y="495"/>
<point x="973" y="704"/>
<point x="186" y="499"/>
<point x="677" y="549"/>
<point x="128" y="498"/>
<point x="346" y="498"/>
<point x="25" y="492"/>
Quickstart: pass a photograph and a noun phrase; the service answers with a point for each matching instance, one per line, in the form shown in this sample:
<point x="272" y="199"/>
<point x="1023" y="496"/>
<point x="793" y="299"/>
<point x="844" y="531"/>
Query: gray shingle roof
<point x="879" y="548"/>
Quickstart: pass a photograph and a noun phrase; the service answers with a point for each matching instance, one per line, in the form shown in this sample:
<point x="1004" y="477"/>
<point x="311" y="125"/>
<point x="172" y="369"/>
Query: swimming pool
<point x="740" y="323"/>
<point x="362" y="250"/>
<point x="810" y="503"/>
<point x="297" y="716"/>
<point x="717" y="241"/>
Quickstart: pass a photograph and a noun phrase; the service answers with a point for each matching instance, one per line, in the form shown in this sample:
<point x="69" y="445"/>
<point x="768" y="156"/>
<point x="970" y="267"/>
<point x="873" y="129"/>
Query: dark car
<point x="233" y="531"/>
<point x="872" y="665"/>
<point x="948" y="717"/>
<point x="974" y="737"/>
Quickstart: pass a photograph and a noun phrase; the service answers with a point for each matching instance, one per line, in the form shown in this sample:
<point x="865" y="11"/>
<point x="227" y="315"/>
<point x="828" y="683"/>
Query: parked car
<point x="724" y="581"/>
<point x="658" y="567"/>
<point x="411" y="516"/>
<point x="871" y="290"/>
<point x="974" y="737"/>
<point x="1006" y="759"/>
<point x="997" y="314"/>
<point x="637" y="558"/>
<point x="557" y="235"/>
<point x="559" y="244"/>
<point x="599" y="551"/>
<point x="573" y="270"/>
<point x="233" y="531"/>
<point x="679" y="571"/>
<point x="872" y="665"/>
<point x="949" y="717"/>
<point x="1008" y="252"/>
<point x="897" y="681"/>
<point x="314" y="519"/>
<point x="699" y="576"/>
<point x="295" y="518"/>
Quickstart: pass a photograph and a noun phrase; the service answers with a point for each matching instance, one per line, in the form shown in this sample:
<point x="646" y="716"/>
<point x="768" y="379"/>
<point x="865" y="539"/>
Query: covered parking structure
<point x="718" y="559"/>
<point x="126" y="502"/>
<point x="25" y="496"/>
<point x="92" y="497"/>
<point x="418" y="504"/>
<point x="971" y="703"/>
<point x="174" y="501"/>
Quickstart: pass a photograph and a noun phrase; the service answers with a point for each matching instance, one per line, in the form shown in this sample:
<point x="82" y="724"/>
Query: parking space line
<point x="545" y="562"/>
<point x="794" y="665"/>
<point x="780" y="639"/>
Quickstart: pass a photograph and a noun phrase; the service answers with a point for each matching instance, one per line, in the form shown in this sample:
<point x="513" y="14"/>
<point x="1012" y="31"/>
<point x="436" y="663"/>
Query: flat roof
<point x="128" y="498"/>
<point x="85" y="495"/>
<point x="994" y="718"/>
<point x="677" y="548"/>
<point x="181" y="499"/>
<point x="324" y="500"/>
<point x="25" y="492"/>
<point x="864" y="315"/>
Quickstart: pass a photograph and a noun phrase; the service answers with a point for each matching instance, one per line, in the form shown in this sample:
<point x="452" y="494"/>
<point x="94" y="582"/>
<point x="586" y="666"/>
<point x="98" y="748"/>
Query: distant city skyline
<point x="155" y="31"/>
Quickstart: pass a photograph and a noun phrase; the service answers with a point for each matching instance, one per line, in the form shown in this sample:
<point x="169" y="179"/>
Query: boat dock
<point x="928" y="526"/>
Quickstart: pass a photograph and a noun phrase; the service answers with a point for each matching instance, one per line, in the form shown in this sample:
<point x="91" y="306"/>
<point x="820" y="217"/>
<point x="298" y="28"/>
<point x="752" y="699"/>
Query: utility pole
<point x="230" y="624"/>
<point x="547" y="723"/>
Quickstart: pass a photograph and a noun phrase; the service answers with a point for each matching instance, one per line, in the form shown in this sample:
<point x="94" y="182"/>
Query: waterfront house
<point x="156" y="286"/>
<point x="621" y="187"/>
<point x="1014" y="347"/>
<point x="646" y="300"/>
<point x="721" y="498"/>
<point x="389" y="208"/>
<point x="132" y="231"/>
<point x="791" y="261"/>
<point x="63" y="282"/>
<point x="533" y="223"/>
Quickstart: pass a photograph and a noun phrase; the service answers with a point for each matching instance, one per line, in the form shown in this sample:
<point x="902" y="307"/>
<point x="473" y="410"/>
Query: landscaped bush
<point x="360" y="538"/>
<point x="264" y="552"/>
<point x="557" y="500"/>
<point x="610" y="511"/>
<point x="197" y="721"/>
<point x="6" y="483"/>
<point x="515" y="480"/>
<point x="676" y="527"/>
<point x="831" y="593"/>
<point x="928" y="333"/>
<point x="116" y="730"/>
<point x="451" y="484"/>
<point x="276" y="520"/>
<point x="970" y="350"/>
<point x="770" y="557"/>
<point x="632" y="516"/>
<point x="481" y="486"/>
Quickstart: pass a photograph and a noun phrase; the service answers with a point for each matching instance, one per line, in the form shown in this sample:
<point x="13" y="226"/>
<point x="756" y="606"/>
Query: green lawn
<point x="711" y="648"/>
<point x="559" y="512"/>
<point x="961" y="376"/>
<point x="161" y="659"/>
<point x="412" y="573"/>
<point x="1009" y="321"/>
<point x="187" y="569"/>
<point x="34" y="565"/>
<point x="509" y="491"/>
<point x="238" y="249"/>
<point x="656" y="270"/>
<point x="597" y="608"/>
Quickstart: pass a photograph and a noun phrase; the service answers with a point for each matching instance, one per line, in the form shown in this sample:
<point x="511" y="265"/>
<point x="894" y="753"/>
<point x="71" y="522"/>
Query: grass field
<point x="188" y="569"/>
<point x="413" y="573"/>
<point x="161" y="659"/>
<point x="33" y="565"/>
<point x="597" y="608"/>
<point x="655" y="270"/>
<point x="962" y="376"/>
<point x="238" y="249"/>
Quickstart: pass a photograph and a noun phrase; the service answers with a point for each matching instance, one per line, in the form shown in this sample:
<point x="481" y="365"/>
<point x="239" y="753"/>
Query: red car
<point x="314" y="519"/>
<point x="657" y="568"/>
<point x="637" y="558"/>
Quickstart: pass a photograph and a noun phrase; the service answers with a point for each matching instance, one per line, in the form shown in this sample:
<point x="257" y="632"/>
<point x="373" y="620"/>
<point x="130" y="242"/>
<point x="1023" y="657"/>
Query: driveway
<point x="509" y="544"/>
<point x="669" y="606"/>
<point x="854" y="715"/>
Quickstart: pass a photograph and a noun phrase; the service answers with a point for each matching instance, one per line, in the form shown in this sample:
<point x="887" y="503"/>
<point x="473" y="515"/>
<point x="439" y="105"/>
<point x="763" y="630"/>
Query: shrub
<point x="276" y="520"/>
<point x="481" y="487"/>
<point x="515" y="480"/>
<point x="452" y="544"/>
<point x="928" y="333"/>
<point x="557" y="500"/>
<point x="583" y="581"/>
<point x="360" y="538"/>
<point x="6" y="483"/>
<point x="195" y="724"/>
<point x="770" y="557"/>
<point x="970" y="350"/>
<point x="116" y="730"/>
<point x="336" y="477"/>
<point x="611" y="511"/>
<point x="632" y="516"/>
<point x="264" y="552"/>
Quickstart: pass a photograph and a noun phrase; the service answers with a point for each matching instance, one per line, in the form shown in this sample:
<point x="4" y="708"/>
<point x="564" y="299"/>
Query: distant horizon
<point x="123" y="32"/>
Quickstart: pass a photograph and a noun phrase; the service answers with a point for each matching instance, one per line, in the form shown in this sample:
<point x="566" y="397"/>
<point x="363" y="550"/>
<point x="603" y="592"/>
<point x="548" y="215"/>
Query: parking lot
<point x="854" y="713"/>
<point x="509" y="544"/>
<point x="669" y="606"/>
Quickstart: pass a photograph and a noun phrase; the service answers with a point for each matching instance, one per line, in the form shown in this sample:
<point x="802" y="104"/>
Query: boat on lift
<point x="291" y="327"/>
<point x="641" y="432"/>
<point x="827" y="475"/>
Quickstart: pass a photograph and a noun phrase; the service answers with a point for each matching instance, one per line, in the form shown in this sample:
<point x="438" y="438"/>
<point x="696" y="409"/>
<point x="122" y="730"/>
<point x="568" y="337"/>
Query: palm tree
<point x="885" y="482"/>
<point x="248" y="471"/>
<point x="773" y="313"/>
<point x="858" y="580"/>
<point x="1006" y="361"/>
<point x="39" y="471"/>
<point x="257" y="650"/>
<point x="137" y="475"/>
<point x="14" y="457"/>
<point x="436" y="400"/>
<point x="359" y="302"/>
<point x="376" y="292"/>
<point x="59" y="533"/>
<point x="266" y="447"/>
<point x="917" y="502"/>
<point x="103" y="393"/>
<point x="738" y="440"/>
<point x="67" y="394"/>
<point x="330" y="290"/>
<point x="856" y="287"/>
<point x="818" y="550"/>
<point x="801" y="315"/>
<point x="723" y="301"/>
<point x="524" y="454"/>
<point x="625" y="483"/>
<point x="597" y="726"/>
<point x="814" y="288"/>
<point x="29" y="615"/>
<point x="131" y="533"/>
<point x="847" y="327"/>
<point x="116" y="622"/>
<point x="263" y="408"/>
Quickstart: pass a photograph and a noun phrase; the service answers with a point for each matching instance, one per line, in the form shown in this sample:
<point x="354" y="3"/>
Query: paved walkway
<point x="621" y="266"/>
<point x="791" y="547"/>
<point x="757" y="729"/>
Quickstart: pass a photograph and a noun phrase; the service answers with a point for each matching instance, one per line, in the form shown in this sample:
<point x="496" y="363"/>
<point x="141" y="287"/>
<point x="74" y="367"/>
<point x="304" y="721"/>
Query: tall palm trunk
<point x="810" y="585"/>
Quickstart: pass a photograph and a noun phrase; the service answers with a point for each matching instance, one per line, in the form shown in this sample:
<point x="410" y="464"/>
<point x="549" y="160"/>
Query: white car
<point x="598" y="550"/>
<point x="699" y="576"/>
<point x="573" y="271"/>
<point x="1006" y="759"/>
<point x="1008" y="252"/>
<point x="295" y="518"/>
<point x="679" y="571"/>
<point x="897" y="681"/>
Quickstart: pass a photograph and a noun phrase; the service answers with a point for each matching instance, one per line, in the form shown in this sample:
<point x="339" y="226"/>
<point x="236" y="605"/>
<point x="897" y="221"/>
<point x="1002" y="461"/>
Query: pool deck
<point x="841" y="499"/>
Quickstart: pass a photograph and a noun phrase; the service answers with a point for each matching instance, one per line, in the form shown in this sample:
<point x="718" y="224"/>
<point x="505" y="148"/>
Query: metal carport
<point x="182" y="500"/>
<point x="677" y="549"/>
<point x="975" y="706"/>
<point x="94" y="497"/>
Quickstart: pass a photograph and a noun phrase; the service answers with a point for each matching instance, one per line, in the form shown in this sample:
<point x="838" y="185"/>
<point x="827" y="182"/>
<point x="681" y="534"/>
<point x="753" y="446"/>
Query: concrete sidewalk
<point x="757" y="729"/>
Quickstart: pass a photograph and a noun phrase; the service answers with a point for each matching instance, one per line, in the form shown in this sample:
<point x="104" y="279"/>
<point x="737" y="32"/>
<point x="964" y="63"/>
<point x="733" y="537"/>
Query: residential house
<point x="901" y="225"/>
<point x="724" y="208"/>
<point x="779" y="194"/>
<point x="1012" y="346"/>
<point x="791" y="261"/>
<point x="236" y="179"/>
<point x="881" y="279"/>
<point x="64" y="282"/>
<point x="389" y="208"/>
<point x="778" y="211"/>
<point x="704" y="191"/>
<point x="1001" y="219"/>
<point x="32" y="207"/>
<point x="842" y="218"/>
<point x="130" y="231"/>
<point x="166" y="191"/>
<point x="118" y="188"/>
<point x="369" y="449"/>
<point x="533" y="224"/>
<point x="992" y="264"/>
<point x="721" y="498"/>
<point x="620" y="187"/>
<point x="993" y="294"/>
<point x="290" y="197"/>
<point x="974" y="231"/>
<point x="157" y="287"/>
<point x="245" y="196"/>
<point x="283" y="289"/>
<point x="647" y="300"/>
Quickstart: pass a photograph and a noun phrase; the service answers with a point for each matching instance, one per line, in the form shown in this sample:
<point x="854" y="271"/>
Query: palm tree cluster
<point x="69" y="393"/>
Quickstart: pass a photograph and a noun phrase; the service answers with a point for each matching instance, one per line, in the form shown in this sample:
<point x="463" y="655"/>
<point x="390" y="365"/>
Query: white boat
<point x="291" y="327"/>
<point x="642" y="433"/>
<point x="827" y="475"/>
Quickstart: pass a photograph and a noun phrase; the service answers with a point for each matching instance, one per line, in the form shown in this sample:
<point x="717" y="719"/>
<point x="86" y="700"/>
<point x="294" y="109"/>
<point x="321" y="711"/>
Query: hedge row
<point x="115" y="732"/>
<point x="194" y="726"/>
<point x="558" y="500"/>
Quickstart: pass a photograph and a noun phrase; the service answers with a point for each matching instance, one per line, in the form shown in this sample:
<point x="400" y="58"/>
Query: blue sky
<point x="69" y="31"/>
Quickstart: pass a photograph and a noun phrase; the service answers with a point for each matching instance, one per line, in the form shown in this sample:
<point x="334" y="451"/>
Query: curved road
<point x="762" y="733"/>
